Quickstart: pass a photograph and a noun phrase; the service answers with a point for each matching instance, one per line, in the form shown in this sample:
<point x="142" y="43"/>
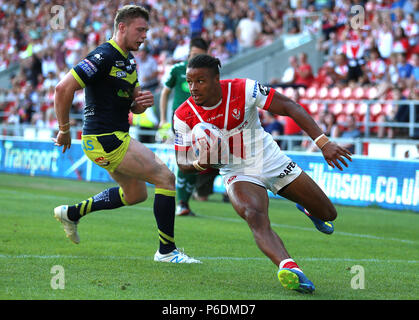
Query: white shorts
<point x="273" y="177"/>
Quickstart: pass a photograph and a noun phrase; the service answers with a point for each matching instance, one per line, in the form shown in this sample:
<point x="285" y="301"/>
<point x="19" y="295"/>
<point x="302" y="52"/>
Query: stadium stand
<point x="361" y="72"/>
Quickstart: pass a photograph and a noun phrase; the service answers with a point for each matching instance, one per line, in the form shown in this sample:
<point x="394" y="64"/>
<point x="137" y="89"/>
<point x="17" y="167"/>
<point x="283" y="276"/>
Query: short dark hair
<point x="129" y="12"/>
<point x="205" y="61"/>
<point x="199" y="43"/>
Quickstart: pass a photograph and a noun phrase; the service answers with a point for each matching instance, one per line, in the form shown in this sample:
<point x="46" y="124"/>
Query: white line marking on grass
<point x="58" y="256"/>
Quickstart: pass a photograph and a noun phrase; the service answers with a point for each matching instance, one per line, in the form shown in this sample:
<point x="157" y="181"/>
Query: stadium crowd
<point x="382" y="55"/>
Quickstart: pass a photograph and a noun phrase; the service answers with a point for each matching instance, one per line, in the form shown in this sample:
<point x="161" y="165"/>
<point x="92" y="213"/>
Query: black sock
<point x="164" y="212"/>
<point x="111" y="198"/>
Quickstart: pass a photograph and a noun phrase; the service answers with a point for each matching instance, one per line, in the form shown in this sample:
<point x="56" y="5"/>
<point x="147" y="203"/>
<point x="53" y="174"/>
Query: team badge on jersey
<point x="98" y="57"/>
<point x="236" y="114"/>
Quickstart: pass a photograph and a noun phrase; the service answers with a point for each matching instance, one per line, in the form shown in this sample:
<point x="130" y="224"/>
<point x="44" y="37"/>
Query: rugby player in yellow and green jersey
<point x="109" y="77"/>
<point x="175" y="81"/>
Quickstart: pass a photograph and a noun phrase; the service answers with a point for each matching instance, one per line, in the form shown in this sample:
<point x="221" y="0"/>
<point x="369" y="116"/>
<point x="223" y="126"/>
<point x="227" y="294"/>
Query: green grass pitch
<point x="373" y="254"/>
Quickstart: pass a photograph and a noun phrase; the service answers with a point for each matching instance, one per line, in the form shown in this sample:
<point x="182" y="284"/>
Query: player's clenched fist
<point x="142" y="101"/>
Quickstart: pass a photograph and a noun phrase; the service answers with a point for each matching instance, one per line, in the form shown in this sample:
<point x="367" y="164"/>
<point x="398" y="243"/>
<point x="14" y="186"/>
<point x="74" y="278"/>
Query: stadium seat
<point x="289" y="92"/>
<point x="323" y="93"/>
<point x="349" y="108"/>
<point x="311" y="93"/>
<point x="358" y="93"/>
<point x="389" y="109"/>
<point x="372" y="93"/>
<point x="313" y="107"/>
<point x="361" y="109"/>
<point x="346" y="93"/>
<point x="301" y="91"/>
<point x="375" y="109"/>
<point x="336" y="108"/>
<point x="334" y="93"/>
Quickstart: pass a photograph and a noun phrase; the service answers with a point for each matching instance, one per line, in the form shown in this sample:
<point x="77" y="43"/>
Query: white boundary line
<point x="58" y="256"/>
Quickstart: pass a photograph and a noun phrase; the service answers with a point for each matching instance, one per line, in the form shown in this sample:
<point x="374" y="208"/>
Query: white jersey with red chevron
<point x="236" y="114"/>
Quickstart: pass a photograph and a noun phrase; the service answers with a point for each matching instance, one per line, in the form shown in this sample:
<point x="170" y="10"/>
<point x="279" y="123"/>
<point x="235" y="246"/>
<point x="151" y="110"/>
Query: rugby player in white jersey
<point x="255" y="163"/>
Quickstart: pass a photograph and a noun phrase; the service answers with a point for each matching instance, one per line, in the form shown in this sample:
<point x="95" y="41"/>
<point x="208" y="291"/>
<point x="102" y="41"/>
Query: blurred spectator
<point x="351" y="131"/>
<point x="290" y="126"/>
<point x="304" y="74"/>
<point x="375" y="68"/>
<point x="384" y="38"/>
<point x="272" y="126"/>
<point x="393" y="70"/>
<point x="50" y="81"/>
<point x="247" y="32"/>
<point x="400" y="41"/>
<point x="354" y="50"/>
<point x="400" y="114"/>
<point x="331" y="46"/>
<point x="410" y="27"/>
<point x="414" y="79"/>
<point x="147" y="69"/>
<point x="231" y="43"/>
<point x="290" y="73"/>
<point x="220" y="51"/>
<point x="404" y="69"/>
<point x="341" y="69"/>
<point x="48" y="63"/>
<point x="196" y="19"/>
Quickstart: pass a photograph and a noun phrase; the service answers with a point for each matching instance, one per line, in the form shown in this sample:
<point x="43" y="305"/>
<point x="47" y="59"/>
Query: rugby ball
<point x="208" y="134"/>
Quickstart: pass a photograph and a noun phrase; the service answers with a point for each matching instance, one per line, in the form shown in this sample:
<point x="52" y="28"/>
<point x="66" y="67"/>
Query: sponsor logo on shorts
<point x="102" y="161"/>
<point x="288" y="169"/>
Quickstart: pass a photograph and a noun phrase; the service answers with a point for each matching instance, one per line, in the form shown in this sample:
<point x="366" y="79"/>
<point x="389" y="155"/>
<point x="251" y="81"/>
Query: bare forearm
<point x="62" y="104"/>
<point x="284" y="106"/>
<point x="304" y="120"/>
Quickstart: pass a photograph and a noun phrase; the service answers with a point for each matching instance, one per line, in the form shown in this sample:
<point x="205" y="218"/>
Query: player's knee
<point x="170" y="179"/>
<point x="166" y="179"/>
<point x="256" y="219"/>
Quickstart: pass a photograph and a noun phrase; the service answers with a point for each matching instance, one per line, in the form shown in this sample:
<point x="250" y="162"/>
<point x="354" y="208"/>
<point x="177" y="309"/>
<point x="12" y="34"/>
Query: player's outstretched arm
<point x="64" y="95"/>
<point x="332" y="152"/>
